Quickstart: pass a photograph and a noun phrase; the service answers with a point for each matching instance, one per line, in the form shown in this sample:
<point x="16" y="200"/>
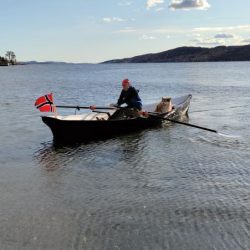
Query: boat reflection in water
<point x="53" y="155"/>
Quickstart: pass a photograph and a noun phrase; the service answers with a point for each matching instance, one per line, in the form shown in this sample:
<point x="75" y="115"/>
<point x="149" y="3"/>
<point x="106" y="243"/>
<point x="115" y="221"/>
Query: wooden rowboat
<point x="79" y="128"/>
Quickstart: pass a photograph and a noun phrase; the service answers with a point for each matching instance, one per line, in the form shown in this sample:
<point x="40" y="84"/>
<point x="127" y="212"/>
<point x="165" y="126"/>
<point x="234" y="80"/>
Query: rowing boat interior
<point x="94" y="116"/>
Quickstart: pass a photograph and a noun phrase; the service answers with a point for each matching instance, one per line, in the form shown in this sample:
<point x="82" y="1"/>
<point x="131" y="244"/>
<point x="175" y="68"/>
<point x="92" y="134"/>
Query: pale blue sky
<point x="98" y="30"/>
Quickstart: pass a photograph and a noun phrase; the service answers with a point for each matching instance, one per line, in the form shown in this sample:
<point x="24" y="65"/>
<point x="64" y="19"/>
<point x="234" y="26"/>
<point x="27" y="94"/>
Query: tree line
<point x="9" y="59"/>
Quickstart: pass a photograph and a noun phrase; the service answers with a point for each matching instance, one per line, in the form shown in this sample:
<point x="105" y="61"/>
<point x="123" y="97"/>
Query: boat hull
<point x="87" y="130"/>
<point x="84" y="130"/>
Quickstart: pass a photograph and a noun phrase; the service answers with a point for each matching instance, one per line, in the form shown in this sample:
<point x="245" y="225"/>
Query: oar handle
<point x="85" y="107"/>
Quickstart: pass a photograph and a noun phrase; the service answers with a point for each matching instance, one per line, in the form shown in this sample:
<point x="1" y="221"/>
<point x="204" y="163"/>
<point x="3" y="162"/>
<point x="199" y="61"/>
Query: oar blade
<point x="229" y="136"/>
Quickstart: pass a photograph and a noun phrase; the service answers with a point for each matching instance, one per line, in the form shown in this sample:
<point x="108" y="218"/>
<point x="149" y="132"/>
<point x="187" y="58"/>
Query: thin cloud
<point x="208" y="42"/>
<point x="224" y="36"/>
<point x="147" y="37"/>
<point x="246" y="41"/>
<point x="160" y="9"/>
<point x="112" y="19"/>
<point x="221" y="29"/>
<point x="169" y="30"/>
<point x="126" y="30"/>
<point x="152" y="3"/>
<point x="189" y="4"/>
<point x="202" y="30"/>
<point x="125" y="3"/>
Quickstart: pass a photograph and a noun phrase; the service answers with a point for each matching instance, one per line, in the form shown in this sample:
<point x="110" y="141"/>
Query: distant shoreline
<point x="133" y="60"/>
<point x="8" y="64"/>
<point x="65" y="63"/>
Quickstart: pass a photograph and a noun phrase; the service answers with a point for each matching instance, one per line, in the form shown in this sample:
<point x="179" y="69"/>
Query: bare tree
<point x="11" y="57"/>
<point x="8" y="55"/>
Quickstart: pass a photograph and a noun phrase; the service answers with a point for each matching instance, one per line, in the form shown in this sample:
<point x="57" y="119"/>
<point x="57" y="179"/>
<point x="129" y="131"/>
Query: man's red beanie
<point x="125" y="81"/>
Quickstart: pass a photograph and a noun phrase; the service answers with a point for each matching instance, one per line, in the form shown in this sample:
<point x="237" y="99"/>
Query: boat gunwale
<point x="99" y="121"/>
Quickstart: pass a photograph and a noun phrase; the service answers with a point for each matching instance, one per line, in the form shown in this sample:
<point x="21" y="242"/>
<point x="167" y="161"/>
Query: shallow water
<point x="170" y="188"/>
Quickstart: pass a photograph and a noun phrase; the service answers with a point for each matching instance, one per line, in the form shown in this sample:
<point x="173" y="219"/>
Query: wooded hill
<point x="192" y="54"/>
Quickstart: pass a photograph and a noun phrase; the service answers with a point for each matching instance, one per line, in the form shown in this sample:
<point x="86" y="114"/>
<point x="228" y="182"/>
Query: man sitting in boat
<point x="130" y="96"/>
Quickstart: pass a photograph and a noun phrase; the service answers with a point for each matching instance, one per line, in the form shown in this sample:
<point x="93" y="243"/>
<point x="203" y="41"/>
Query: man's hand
<point x="143" y="113"/>
<point x="92" y="107"/>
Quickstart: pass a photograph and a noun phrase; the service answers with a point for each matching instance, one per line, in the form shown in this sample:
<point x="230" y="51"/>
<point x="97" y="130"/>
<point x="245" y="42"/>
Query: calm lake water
<point x="170" y="188"/>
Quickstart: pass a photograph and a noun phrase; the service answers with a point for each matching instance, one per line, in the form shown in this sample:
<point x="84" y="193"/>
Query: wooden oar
<point x="183" y="123"/>
<point x="86" y="107"/>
